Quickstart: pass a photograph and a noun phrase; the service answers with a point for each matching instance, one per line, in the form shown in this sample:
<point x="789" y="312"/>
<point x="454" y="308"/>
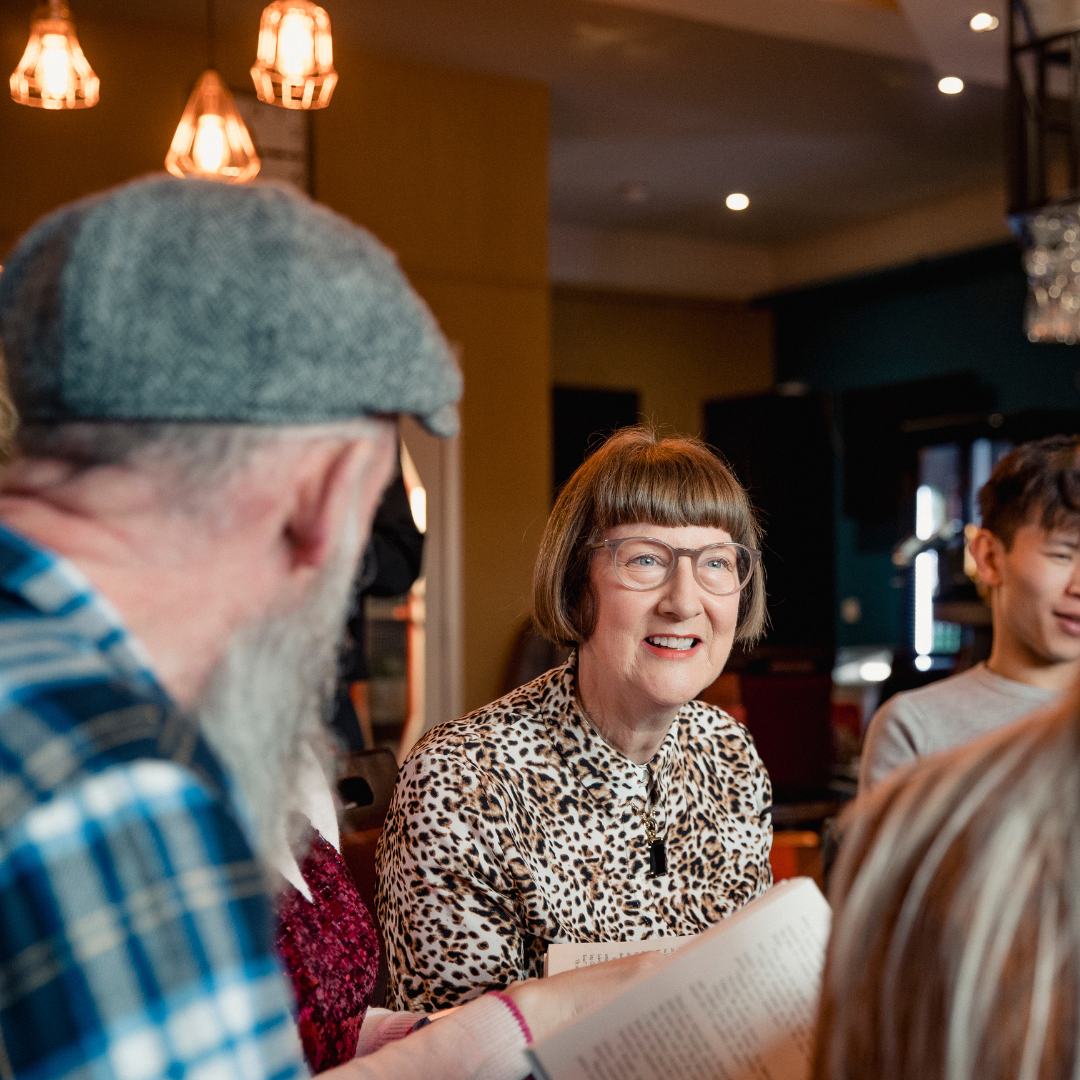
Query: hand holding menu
<point x="738" y="1002"/>
<point x="567" y="957"/>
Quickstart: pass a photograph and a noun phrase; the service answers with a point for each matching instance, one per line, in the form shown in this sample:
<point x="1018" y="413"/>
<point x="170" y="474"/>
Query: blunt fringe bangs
<point x="1037" y="482"/>
<point x="638" y="475"/>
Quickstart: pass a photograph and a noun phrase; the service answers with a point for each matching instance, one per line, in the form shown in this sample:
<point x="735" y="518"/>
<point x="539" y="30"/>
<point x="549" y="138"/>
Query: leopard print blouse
<point x="515" y="827"/>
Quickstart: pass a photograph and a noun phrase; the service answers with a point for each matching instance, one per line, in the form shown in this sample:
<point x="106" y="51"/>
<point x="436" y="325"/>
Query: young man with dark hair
<point x="1027" y="555"/>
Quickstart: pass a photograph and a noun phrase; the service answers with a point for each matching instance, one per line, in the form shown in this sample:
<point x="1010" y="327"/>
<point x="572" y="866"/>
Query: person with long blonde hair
<point x="955" y="949"/>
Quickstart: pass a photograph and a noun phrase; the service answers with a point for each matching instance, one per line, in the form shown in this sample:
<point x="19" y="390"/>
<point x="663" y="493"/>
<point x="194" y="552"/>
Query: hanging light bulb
<point x="53" y="73"/>
<point x="211" y="140"/>
<point x="295" y="65"/>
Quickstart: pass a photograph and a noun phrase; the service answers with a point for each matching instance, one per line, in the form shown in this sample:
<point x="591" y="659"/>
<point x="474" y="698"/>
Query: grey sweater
<point x="942" y="715"/>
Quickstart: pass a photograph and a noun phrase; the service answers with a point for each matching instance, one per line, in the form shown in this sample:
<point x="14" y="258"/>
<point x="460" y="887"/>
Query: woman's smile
<point x="653" y="650"/>
<point x="628" y="803"/>
<point x="668" y="647"/>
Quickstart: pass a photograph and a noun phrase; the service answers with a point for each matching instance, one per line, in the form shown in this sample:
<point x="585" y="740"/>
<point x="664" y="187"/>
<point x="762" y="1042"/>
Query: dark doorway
<point x="781" y="450"/>
<point x="580" y="420"/>
<point x="883" y="426"/>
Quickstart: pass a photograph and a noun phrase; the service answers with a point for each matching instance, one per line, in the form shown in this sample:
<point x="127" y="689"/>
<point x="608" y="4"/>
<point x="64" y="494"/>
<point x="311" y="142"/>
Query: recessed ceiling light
<point x="736" y="201"/>
<point x="950" y="85"/>
<point x="632" y="192"/>
<point x="982" y="22"/>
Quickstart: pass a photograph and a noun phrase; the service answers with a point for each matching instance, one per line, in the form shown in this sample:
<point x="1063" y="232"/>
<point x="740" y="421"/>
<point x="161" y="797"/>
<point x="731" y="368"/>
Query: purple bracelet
<point x="509" y="1003"/>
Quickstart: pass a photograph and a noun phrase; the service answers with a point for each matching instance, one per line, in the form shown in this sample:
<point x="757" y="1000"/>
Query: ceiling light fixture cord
<point x="210" y="35"/>
<point x="211" y="140"/>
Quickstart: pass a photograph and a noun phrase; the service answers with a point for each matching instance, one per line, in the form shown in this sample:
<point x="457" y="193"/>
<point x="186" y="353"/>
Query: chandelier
<point x="53" y="72"/>
<point x="1044" y="165"/>
<point x="295" y="65"/>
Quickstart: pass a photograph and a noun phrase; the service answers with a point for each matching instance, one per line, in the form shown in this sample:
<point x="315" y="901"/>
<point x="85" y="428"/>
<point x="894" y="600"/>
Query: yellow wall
<point x="459" y="190"/>
<point x="676" y="353"/>
<point x="448" y="168"/>
<point x="47" y="158"/>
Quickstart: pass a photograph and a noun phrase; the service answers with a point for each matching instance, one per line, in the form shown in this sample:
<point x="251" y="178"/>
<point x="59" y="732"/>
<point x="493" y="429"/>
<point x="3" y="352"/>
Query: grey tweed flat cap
<point x="169" y="299"/>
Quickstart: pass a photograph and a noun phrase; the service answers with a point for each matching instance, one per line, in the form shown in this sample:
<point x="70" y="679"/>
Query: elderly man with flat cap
<point x="207" y="377"/>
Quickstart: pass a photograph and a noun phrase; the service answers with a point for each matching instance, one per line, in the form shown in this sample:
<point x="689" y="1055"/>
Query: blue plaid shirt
<point x="136" y="936"/>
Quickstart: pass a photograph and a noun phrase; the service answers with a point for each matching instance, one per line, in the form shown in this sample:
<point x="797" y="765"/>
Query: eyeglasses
<point x="642" y="563"/>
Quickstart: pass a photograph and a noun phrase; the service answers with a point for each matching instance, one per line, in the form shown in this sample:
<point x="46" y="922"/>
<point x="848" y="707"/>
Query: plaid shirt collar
<point x="45" y="599"/>
<point x="51" y="585"/>
<point x="135" y="925"/>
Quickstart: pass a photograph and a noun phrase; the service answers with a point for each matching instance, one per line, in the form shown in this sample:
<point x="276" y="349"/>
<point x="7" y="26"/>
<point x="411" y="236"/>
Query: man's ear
<point x="332" y="478"/>
<point x="987" y="551"/>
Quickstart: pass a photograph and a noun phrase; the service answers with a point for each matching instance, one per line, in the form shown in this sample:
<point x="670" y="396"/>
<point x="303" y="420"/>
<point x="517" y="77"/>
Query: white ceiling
<point x="859" y="25"/>
<point x="936" y="31"/>
<point x="948" y="43"/>
<point x="824" y="112"/>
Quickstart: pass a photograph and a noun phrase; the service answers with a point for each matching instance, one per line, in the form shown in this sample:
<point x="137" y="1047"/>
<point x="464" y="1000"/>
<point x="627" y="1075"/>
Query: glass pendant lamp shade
<point x="212" y="140"/>
<point x="53" y="73"/>
<point x="295" y="65"/>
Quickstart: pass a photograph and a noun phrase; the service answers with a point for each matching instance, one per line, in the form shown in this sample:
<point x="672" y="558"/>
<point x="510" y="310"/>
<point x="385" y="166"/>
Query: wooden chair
<point x="789" y="717"/>
<point x="796" y="853"/>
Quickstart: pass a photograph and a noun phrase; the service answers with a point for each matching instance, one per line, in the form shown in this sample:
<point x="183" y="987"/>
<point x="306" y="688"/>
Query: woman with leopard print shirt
<point x="600" y="801"/>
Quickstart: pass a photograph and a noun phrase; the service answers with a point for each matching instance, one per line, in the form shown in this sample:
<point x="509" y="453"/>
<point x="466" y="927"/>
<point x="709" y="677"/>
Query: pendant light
<point x="295" y="64"/>
<point x="53" y="73"/>
<point x="212" y="140"/>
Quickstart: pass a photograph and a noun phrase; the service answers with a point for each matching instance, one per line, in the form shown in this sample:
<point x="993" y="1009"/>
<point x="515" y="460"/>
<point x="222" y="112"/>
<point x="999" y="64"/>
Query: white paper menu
<point x="738" y="1002"/>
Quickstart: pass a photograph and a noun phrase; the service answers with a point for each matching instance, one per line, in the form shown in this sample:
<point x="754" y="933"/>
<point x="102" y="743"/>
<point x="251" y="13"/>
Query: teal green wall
<point x="963" y="313"/>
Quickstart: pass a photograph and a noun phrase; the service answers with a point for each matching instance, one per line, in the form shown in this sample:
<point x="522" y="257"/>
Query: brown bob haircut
<point x="638" y="475"/>
<point x="1037" y="482"/>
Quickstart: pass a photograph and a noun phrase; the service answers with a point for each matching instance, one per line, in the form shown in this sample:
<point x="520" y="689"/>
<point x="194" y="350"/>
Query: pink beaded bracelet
<point x="509" y="1003"/>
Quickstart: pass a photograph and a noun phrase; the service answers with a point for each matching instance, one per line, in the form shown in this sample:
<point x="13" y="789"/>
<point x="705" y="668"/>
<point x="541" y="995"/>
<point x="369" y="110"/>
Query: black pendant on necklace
<point x="657" y="859"/>
<point x="657" y="849"/>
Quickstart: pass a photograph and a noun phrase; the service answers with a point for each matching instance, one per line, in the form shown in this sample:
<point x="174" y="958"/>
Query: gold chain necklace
<point x="644" y="810"/>
<point x="657" y="847"/>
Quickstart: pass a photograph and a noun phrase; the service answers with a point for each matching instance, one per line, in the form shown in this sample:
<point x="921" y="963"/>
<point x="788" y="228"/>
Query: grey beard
<point x="269" y="694"/>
